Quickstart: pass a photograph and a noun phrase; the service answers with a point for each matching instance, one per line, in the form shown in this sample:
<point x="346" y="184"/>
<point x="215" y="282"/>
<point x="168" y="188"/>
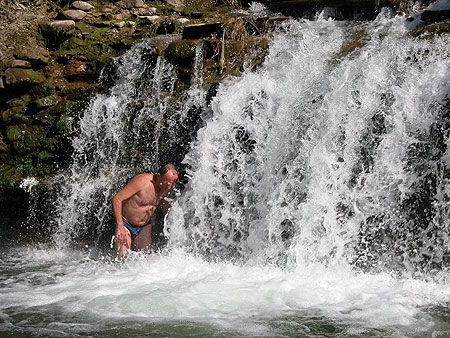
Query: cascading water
<point x="329" y="153"/>
<point x="316" y="201"/>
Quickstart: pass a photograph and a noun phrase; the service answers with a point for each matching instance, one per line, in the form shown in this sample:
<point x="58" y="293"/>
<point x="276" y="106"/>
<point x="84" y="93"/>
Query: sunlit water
<point x="316" y="203"/>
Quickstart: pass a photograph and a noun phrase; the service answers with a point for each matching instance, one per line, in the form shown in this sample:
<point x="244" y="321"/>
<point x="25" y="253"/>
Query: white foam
<point x="181" y="287"/>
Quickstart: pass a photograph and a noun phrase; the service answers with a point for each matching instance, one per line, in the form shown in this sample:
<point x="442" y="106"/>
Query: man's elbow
<point x="115" y="200"/>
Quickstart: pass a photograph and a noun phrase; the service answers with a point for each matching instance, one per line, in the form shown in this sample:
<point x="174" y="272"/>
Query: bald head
<point x="167" y="175"/>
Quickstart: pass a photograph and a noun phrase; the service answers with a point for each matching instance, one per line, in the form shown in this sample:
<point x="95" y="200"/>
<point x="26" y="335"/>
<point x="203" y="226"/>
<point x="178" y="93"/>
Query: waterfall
<point x="334" y="152"/>
<point x="130" y="126"/>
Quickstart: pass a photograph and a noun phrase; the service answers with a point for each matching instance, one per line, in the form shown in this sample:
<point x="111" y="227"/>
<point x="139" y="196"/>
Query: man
<point x="134" y="205"/>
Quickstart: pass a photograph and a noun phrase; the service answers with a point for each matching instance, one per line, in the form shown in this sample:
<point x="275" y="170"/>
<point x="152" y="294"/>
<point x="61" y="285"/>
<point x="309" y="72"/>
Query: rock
<point x="64" y="123"/>
<point x="9" y="114"/>
<point x="36" y="55"/>
<point x="84" y="6"/>
<point x="151" y="19"/>
<point x="180" y="52"/>
<point x="435" y="16"/>
<point x="2" y="85"/>
<point x="202" y="30"/>
<point x="62" y="26"/>
<point x="3" y="146"/>
<point x="176" y="3"/>
<point x="75" y="70"/>
<point x="23" y="76"/>
<point x="74" y="14"/>
<point x="119" y="24"/>
<point x="45" y="102"/>
<point x="147" y="11"/>
<point x="22" y="101"/>
<point x="129" y="4"/>
<point x="13" y="133"/>
<point x="44" y="156"/>
<point x="20" y="64"/>
<point x="57" y="30"/>
<point x="180" y="23"/>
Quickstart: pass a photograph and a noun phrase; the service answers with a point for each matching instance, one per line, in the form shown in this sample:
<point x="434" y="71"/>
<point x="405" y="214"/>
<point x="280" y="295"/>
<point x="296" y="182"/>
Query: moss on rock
<point x="181" y="52"/>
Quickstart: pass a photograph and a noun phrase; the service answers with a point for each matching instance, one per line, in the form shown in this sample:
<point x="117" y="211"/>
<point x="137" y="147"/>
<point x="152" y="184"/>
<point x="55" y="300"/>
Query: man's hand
<point x="121" y="237"/>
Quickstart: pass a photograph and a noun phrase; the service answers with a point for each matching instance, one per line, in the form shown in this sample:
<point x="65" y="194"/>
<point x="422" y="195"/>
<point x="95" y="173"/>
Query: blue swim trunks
<point x="134" y="230"/>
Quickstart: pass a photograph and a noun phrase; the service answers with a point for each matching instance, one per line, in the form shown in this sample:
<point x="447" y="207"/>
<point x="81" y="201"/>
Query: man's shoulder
<point x="144" y="178"/>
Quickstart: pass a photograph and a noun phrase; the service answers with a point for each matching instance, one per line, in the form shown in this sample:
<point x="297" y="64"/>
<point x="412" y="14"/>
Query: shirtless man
<point x="134" y="205"/>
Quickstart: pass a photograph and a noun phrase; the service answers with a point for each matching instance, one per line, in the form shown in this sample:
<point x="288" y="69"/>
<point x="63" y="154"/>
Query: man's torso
<point x="139" y="208"/>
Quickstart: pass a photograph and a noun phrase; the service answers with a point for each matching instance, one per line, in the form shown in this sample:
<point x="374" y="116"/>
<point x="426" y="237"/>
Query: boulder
<point x="74" y="14"/>
<point x="181" y="52"/>
<point x="82" y="5"/>
<point x="58" y="29"/>
<point x="36" y="55"/>
<point x="17" y="76"/>
<point x="20" y="64"/>
<point x="129" y="4"/>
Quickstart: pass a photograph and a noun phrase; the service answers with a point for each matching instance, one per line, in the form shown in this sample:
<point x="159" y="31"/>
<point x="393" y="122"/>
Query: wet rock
<point x="15" y="76"/>
<point x="82" y="5"/>
<point x="2" y="85"/>
<point x="46" y="102"/>
<point x="430" y="30"/>
<point x="74" y="14"/>
<point x="20" y="64"/>
<point x="129" y="4"/>
<point x="181" y="52"/>
<point x="36" y="55"/>
<point x="435" y="16"/>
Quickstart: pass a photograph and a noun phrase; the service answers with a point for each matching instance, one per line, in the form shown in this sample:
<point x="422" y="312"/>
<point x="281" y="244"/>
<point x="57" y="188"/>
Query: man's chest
<point x="147" y="197"/>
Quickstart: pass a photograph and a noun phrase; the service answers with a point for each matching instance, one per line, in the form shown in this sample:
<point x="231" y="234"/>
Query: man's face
<point x="166" y="181"/>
